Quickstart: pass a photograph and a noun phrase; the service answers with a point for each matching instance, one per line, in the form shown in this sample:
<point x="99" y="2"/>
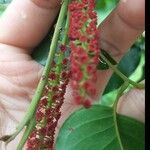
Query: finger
<point x="132" y="104"/>
<point x="119" y="31"/>
<point x="122" y="27"/>
<point x="26" y="22"/>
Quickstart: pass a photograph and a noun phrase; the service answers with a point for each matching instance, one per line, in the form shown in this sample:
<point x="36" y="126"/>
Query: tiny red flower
<point x="63" y="48"/>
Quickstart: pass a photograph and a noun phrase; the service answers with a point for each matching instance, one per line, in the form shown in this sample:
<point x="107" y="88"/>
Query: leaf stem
<point x="122" y="89"/>
<point x="31" y="109"/>
<point x="121" y="75"/>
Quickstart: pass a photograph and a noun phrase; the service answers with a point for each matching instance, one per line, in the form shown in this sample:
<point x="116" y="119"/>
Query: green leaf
<point x="94" y="129"/>
<point x="131" y="133"/>
<point x="40" y="53"/>
<point x="139" y="73"/>
<point x="109" y="98"/>
<point x="127" y="66"/>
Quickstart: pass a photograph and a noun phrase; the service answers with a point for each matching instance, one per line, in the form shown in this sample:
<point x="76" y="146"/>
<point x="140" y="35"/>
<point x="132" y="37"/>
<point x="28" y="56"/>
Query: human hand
<point x="24" y="24"/>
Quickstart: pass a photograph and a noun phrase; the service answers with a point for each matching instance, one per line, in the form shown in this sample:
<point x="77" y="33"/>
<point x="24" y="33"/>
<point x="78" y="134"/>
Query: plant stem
<point x="31" y="109"/>
<point x="65" y="38"/>
<point x="63" y="42"/>
<point x="121" y="75"/>
<point x="122" y="89"/>
<point x="27" y="132"/>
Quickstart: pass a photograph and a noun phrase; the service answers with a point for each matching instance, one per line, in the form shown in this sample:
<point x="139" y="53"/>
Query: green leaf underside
<point x="127" y="66"/>
<point x="132" y="65"/>
<point x="41" y="52"/>
<point x="94" y="129"/>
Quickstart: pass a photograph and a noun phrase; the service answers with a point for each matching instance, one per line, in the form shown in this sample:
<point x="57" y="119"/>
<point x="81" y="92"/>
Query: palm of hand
<point x="19" y="77"/>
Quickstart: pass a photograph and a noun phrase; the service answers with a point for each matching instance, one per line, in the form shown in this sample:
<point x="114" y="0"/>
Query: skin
<point x="24" y="24"/>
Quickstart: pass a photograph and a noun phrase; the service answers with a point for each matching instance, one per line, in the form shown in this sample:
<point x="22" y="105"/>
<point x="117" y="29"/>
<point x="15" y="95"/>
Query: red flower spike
<point x="42" y="131"/>
<point x="52" y="76"/>
<point x="84" y="46"/>
<point x="78" y="100"/>
<point x="74" y="84"/>
<point x="48" y="111"/>
<point x="43" y="102"/>
<point x="64" y="75"/>
<point x="83" y="69"/>
<point x="92" y="91"/>
<point x="91" y="69"/>
<point x="83" y="38"/>
<point x="65" y="61"/>
<point x="39" y="116"/>
<point x="55" y="89"/>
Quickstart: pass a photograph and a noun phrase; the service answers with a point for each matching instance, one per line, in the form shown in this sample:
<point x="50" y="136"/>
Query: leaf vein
<point x="92" y="135"/>
<point x="89" y="121"/>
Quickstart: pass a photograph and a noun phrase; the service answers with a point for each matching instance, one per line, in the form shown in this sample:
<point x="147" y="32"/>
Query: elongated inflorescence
<point x="48" y="111"/>
<point x="84" y="50"/>
<point x="84" y="58"/>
